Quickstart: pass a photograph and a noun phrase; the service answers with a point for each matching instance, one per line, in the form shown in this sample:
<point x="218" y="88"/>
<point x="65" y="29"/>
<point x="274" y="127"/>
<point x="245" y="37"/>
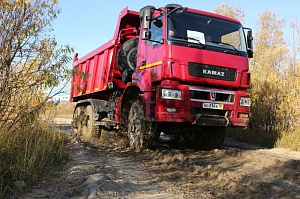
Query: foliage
<point x="226" y="10"/>
<point x="30" y="63"/>
<point x="30" y="60"/>
<point x="275" y="85"/>
<point x="275" y="88"/>
<point x="267" y="74"/>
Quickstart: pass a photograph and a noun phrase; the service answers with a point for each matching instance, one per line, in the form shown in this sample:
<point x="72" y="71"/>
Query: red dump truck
<point x="172" y="69"/>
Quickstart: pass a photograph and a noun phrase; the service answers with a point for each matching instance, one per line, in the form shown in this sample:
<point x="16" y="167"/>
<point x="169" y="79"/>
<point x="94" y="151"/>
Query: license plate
<point x="213" y="106"/>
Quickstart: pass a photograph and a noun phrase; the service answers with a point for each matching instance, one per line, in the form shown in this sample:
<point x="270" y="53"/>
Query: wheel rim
<point x="135" y="126"/>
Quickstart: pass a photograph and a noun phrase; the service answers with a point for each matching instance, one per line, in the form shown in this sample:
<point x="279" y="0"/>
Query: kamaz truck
<point x="172" y="70"/>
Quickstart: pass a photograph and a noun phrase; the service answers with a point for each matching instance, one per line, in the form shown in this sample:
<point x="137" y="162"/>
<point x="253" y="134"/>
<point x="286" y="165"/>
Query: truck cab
<point x="184" y="71"/>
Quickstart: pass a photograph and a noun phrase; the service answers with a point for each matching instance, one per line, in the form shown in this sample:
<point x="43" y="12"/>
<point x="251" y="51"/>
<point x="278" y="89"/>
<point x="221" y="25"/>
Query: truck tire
<point x="140" y="132"/>
<point x="209" y="137"/>
<point x="77" y="122"/>
<point x="126" y="57"/>
<point x="89" y="131"/>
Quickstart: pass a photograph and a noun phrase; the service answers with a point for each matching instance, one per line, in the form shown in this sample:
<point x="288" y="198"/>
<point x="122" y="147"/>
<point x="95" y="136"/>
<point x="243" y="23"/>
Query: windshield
<point x="215" y="34"/>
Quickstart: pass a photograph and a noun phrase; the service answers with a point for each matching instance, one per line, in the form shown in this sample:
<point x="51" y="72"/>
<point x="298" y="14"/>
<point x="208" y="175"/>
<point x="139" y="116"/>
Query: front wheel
<point x="140" y="132"/>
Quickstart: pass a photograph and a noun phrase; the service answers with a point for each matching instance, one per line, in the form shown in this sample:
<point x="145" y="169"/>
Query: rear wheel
<point x="78" y="121"/>
<point x="89" y="130"/>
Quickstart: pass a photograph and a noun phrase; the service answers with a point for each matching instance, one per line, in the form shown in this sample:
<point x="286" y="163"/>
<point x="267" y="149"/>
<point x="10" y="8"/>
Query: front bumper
<point x="224" y="109"/>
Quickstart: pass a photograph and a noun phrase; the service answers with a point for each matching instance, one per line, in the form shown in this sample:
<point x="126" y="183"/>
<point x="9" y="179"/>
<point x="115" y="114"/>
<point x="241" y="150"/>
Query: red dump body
<point x="212" y="80"/>
<point x="99" y="66"/>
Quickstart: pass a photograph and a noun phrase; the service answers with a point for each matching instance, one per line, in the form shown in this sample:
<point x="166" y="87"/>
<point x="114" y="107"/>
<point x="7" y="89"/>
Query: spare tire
<point x="126" y="57"/>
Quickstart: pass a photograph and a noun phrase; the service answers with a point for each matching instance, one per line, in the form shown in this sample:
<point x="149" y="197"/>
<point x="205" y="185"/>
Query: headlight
<point x="171" y="94"/>
<point x="245" y="101"/>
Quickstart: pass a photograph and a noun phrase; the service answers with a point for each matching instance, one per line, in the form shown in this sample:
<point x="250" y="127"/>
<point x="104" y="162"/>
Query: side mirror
<point x="146" y="19"/>
<point x="146" y="34"/>
<point x="250" y="43"/>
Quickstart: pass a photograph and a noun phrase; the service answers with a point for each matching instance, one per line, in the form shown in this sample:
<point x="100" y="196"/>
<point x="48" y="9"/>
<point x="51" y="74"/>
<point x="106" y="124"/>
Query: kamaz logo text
<point x="214" y="73"/>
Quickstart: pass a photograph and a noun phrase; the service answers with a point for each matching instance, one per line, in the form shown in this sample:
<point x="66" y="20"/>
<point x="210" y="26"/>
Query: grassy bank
<point x="26" y="154"/>
<point x="288" y="140"/>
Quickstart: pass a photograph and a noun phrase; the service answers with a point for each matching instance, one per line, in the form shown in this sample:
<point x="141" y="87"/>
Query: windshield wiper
<point x="191" y="38"/>
<point x="227" y="44"/>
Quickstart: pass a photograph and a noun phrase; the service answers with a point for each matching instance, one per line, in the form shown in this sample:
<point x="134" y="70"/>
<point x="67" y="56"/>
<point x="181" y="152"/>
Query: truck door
<point x="150" y="52"/>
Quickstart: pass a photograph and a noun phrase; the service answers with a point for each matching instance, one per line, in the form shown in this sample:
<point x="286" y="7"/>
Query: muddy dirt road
<point x="111" y="171"/>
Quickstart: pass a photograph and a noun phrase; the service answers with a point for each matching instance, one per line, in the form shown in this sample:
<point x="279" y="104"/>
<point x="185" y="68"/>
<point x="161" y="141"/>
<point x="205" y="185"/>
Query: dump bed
<point x="92" y="71"/>
<point x="97" y="74"/>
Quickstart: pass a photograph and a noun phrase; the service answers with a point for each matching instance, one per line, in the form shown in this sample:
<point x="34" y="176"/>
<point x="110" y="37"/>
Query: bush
<point x="31" y="63"/>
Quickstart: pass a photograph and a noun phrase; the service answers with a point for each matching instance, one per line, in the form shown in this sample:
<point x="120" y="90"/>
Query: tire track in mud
<point x="99" y="172"/>
<point x="244" y="172"/>
<point x="124" y="178"/>
<point x="110" y="171"/>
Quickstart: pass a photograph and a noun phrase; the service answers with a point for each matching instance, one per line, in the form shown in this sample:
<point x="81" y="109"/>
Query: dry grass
<point x="290" y="140"/>
<point x="27" y="153"/>
<point x="31" y="148"/>
<point x="60" y="110"/>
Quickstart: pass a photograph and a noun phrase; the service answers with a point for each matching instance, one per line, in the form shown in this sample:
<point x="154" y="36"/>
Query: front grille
<point x="211" y="95"/>
<point x="214" y="72"/>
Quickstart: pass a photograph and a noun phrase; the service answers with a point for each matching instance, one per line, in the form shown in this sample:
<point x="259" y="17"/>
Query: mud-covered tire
<point x="209" y="137"/>
<point x="140" y="132"/>
<point x="89" y="131"/>
<point x="77" y="122"/>
<point x="126" y="57"/>
<point x="136" y="126"/>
